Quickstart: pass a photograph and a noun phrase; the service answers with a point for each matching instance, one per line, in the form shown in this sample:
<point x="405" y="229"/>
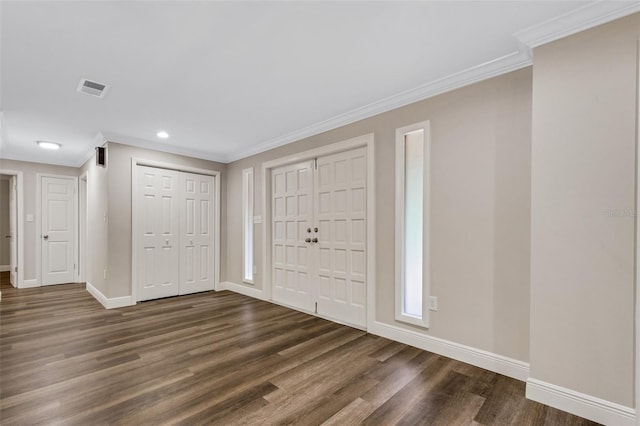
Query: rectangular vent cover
<point x="92" y="88"/>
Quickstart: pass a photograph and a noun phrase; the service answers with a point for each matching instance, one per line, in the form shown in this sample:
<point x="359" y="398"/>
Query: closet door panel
<point x="158" y="225"/>
<point x="197" y="239"/>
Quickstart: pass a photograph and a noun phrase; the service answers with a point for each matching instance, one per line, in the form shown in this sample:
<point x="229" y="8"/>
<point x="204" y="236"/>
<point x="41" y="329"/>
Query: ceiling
<point x="228" y="79"/>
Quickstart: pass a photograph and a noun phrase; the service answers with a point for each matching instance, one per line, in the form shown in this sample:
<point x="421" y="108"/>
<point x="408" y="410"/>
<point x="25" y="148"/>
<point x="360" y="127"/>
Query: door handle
<point x="45" y="236"/>
<point x="315" y="240"/>
<point x="307" y="240"/>
<point x="8" y="236"/>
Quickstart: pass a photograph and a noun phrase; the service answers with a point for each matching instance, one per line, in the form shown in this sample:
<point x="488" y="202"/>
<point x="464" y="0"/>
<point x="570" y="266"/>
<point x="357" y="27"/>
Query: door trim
<point x="83" y="228"/>
<point x="38" y="220"/>
<point x="366" y="141"/>
<point x="134" y="211"/>
<point x="20" y="219"/>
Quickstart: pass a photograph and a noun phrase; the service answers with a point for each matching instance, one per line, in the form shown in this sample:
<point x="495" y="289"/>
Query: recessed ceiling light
<point x="162" y="134"/>
<point x="48" y="145"/>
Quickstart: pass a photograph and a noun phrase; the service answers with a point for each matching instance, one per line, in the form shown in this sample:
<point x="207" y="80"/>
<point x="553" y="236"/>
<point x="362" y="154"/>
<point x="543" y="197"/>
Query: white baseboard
<point x="29" y="283"/>
<point x="109" y="303"/>
<point x="242" y="289"/>
<point x="478" y="357"/>
<point x="5" y="268"/>
<point x="589" y="407"/>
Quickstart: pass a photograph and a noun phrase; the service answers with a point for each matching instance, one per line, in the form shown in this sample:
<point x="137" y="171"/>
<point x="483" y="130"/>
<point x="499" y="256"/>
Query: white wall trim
<point x="28" y="283"/>
<point x="5" y="268"/>
<point x="589" y="407"/>
<point x="243" y="289"/>
<point x="493" y="68"/>
<point x="480" y="358"/>
<point x="109" y="303"/>
<point x="637" y="246"/>
<point x="575" y="21"/>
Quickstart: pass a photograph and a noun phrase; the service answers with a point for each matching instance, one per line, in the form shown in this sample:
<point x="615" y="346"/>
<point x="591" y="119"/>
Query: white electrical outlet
<point x="433" y="303"/>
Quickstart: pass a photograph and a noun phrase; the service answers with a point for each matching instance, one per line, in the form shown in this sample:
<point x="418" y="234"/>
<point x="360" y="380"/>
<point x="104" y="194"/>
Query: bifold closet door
<point x="158" y="233"/>
<point x="291" y="205"/>
<point x="196" y="236"/>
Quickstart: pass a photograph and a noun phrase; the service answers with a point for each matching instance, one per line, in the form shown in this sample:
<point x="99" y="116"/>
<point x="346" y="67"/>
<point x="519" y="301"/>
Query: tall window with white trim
<point x="247" y="225"/>
<point x="412" y="224"/>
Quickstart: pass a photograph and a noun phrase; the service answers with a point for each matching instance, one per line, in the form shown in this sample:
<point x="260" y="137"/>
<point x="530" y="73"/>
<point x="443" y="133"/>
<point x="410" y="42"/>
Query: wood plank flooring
<point x="223" y="358"/>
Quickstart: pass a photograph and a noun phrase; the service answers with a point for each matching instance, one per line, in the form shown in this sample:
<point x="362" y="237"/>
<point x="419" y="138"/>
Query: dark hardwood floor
<point x="223" y="358"/>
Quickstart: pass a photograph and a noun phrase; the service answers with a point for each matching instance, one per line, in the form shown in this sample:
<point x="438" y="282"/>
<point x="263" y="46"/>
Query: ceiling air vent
<point x="92" y="88"/>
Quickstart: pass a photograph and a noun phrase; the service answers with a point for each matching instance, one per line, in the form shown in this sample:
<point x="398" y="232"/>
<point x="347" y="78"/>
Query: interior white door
<point x="158" y="233"/>
<point x="292" y="214"/>
<point x="340" y="196"/>
<point x="196" y="236"/>
<point x="13" y="231"/>
<point x="58" y="227"/>
<point x="319" y="236"/>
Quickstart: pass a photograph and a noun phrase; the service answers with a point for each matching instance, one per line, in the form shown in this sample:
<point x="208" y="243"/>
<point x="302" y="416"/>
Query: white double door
<point x="319" y="236"/>
<point x="175" y="246"/>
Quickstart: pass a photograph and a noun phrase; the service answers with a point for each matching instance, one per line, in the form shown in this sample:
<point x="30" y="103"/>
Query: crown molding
<point x="502" y="65"/>
<point x="158" y="146"/>
<point x="580" y="19"/>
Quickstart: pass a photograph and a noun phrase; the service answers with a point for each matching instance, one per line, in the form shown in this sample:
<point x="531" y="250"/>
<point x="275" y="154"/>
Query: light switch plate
<point x="30" y="217"/>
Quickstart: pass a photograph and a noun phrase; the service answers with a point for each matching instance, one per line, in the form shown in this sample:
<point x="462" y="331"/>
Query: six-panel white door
<point x="319" y="236"/>
<point x="158" y="225"/>
<point x="292" y="206"/>
<point x="340" y="206"/>
<point x="196" y="236"/>
<point x="58" y="233"/>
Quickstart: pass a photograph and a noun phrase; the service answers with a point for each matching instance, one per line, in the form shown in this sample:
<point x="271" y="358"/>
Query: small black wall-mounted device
<point x="101" y="156"/>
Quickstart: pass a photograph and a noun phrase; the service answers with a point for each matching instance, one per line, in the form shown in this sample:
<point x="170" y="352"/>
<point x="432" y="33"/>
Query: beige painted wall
<point x="584" y="150"/>
<point x="29" y="170"/>
<point x="4" y="222"/>
<point x="119" y="209"/>
<point x="480" y="170"/>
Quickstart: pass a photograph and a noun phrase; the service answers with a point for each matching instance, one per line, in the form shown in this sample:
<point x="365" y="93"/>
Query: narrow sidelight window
<point x="247" y="225"/>
<point x="412" y="224"/>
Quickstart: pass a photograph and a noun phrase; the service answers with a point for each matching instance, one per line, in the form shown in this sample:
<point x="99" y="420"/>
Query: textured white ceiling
<point x="225" y="77"/>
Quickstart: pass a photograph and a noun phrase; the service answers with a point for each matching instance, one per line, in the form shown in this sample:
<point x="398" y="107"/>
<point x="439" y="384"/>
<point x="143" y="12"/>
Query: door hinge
<point x="74" y="266"/>
<point x="15" y="269"/>
<point x="316" y="311"/>
<point x="315" y="164"/>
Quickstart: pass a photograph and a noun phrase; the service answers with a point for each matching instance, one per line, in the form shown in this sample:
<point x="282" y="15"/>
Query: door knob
<point x="8" y="236"/>
<point x="307" y="240"/>
<point x="46" y="237"/>
<point x="315" y="229"/>
<point x="315" y="240"/>
<point x="309" y="230"/>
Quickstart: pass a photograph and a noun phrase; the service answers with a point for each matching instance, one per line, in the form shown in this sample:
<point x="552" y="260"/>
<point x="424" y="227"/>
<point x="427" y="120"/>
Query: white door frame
<point x="38" y="237"/>
<point x="637" y="247"/>
<point x="366" y="141"/>
<point x="134" y="214"/>
<point x="20" y="225"/>
<point x="83" y="218"/>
